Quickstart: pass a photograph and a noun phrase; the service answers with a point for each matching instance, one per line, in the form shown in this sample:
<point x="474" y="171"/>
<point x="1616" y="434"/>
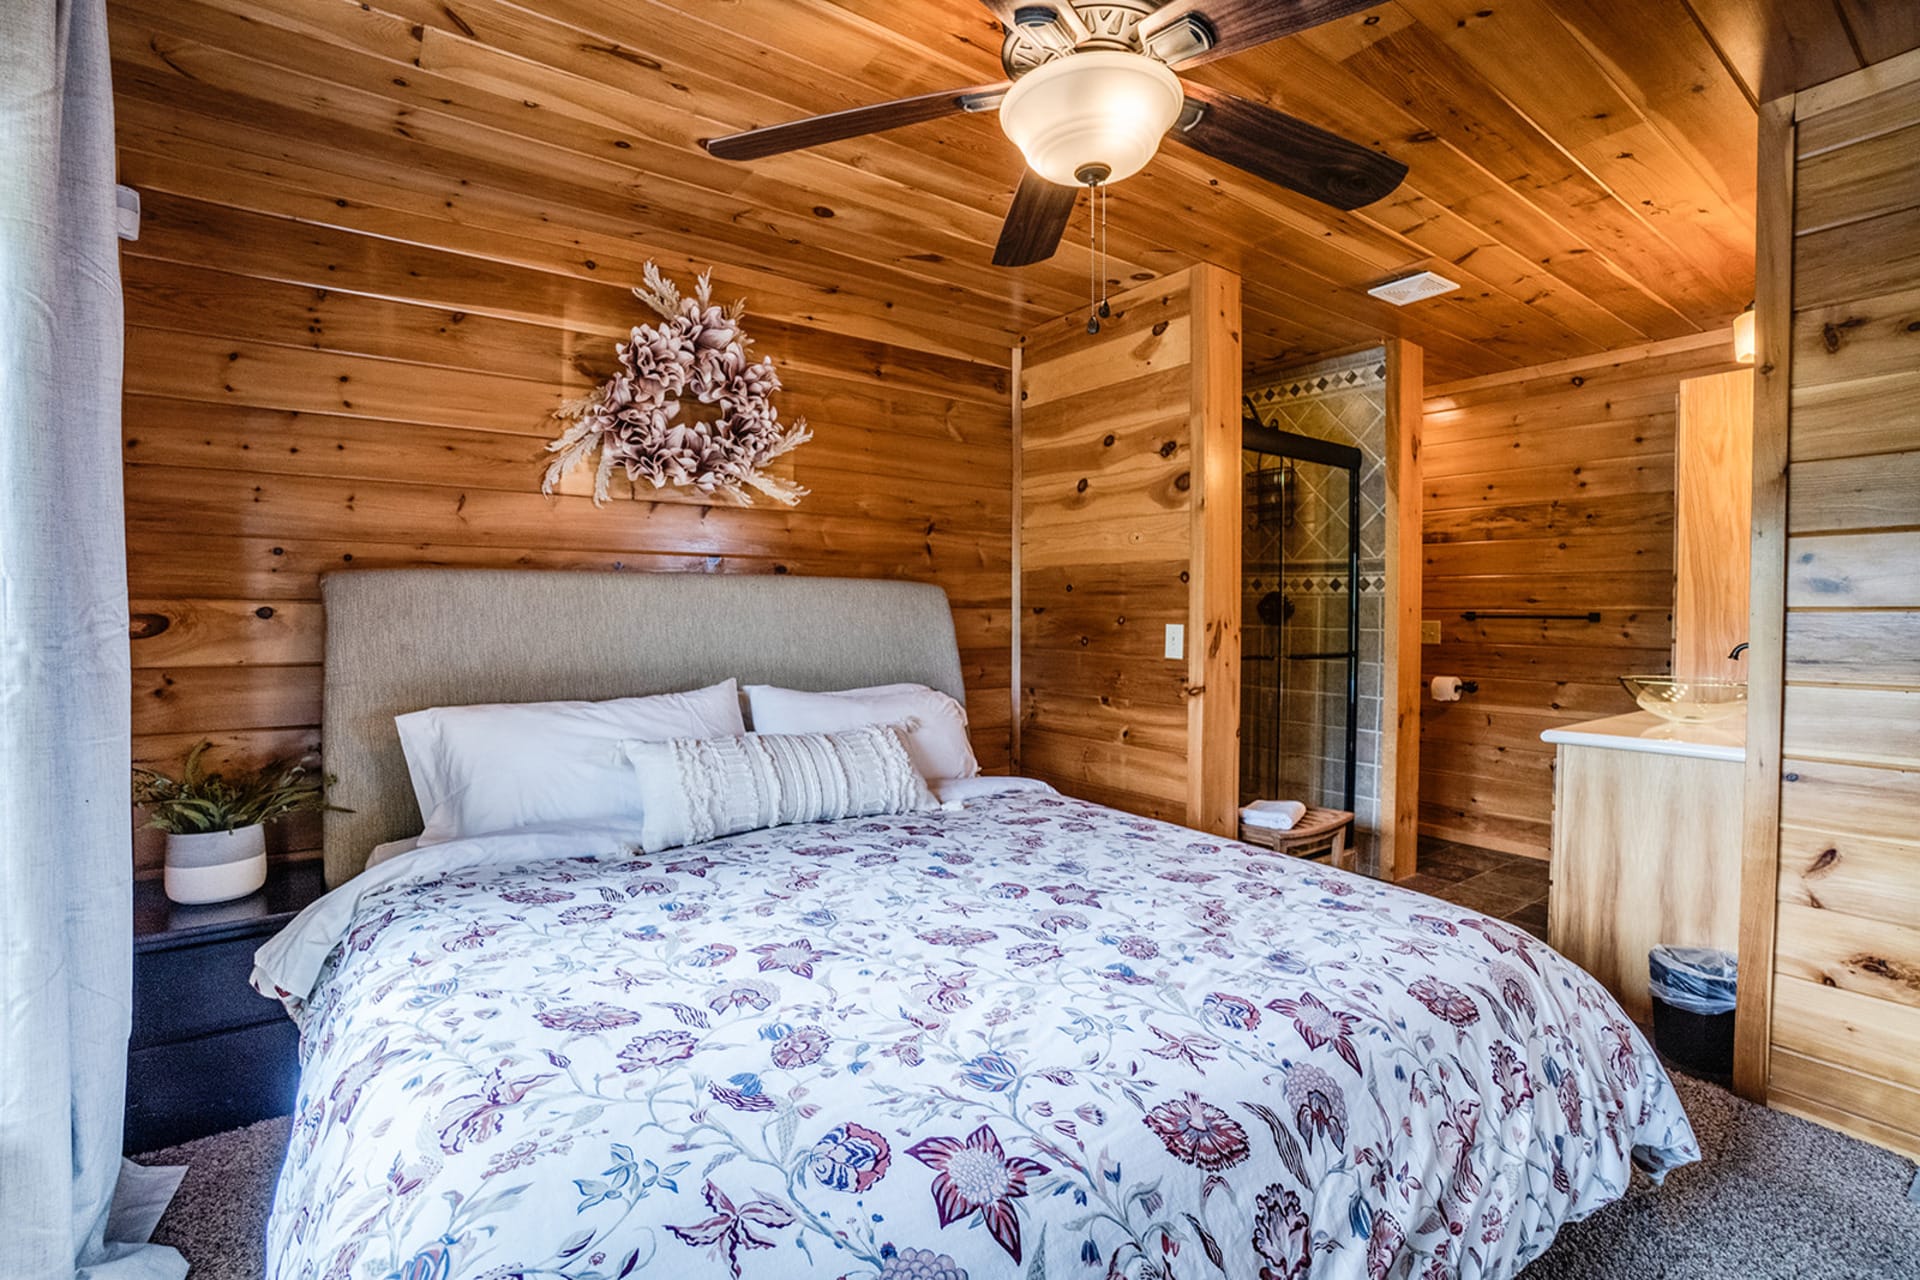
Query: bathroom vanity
<point x="1646" y="843"/>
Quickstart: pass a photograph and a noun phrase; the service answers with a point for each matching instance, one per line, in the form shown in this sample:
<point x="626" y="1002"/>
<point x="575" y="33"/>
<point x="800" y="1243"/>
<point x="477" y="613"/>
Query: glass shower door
<point x="1300" y="619"/>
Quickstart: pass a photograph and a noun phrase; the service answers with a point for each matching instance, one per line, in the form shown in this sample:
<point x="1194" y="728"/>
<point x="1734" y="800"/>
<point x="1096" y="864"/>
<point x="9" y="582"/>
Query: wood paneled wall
<point x="1550" y="490"/>
<point x="1130" y="521"/>
<point x="1831" y="887"/>
<point x="303" y="398"/>
<point x="1713" y="482"/>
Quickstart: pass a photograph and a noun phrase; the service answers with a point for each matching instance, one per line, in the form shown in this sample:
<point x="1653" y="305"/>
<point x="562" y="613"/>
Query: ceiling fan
<point x="1091" y="92"/>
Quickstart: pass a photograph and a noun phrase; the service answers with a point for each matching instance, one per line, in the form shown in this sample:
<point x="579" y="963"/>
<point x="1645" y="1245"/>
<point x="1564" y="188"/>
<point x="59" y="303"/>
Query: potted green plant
<point x="215" y="823"/>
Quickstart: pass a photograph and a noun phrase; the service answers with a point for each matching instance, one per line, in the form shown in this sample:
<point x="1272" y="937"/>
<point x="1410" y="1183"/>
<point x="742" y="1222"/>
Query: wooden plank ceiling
<point x="1583" y="167"/>
<point x="1780" y="46"/>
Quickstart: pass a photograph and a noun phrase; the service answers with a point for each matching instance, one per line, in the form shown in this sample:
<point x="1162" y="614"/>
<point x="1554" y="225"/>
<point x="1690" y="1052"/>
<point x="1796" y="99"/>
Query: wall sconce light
<point x="1743" y="349"/>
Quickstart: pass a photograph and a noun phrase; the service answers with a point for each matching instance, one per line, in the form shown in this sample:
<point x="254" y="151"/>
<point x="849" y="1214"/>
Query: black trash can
<point x="1693" y="997"/>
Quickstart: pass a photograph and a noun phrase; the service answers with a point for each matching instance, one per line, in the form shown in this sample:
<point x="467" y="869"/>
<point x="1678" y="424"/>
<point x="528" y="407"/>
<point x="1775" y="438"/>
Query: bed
<point x="1022" y="1035"/>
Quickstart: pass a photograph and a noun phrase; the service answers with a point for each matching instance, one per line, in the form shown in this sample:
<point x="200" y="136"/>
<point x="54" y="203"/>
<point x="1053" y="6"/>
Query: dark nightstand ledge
<point x="159" y="922"/>
<point x="209" y="1053"/>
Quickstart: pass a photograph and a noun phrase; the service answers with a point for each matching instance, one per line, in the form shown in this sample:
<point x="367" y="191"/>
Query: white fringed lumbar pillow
<point x="698" y="789"/>
<point x="935" y="723"/>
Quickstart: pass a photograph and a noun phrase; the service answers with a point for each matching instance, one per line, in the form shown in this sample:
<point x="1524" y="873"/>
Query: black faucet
<point x="1737" y="651"/>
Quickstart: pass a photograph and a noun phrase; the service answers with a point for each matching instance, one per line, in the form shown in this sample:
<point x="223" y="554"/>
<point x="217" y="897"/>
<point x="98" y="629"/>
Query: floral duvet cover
<point x="1032" y="1038"/>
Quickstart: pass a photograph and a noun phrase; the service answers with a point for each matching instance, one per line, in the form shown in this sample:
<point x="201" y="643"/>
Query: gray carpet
<point x="1774" y="1198"/>
<point x="218" y="1218"/>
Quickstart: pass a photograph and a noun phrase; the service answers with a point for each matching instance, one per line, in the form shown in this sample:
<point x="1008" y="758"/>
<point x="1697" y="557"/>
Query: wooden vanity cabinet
<point x="1646" y="850"/>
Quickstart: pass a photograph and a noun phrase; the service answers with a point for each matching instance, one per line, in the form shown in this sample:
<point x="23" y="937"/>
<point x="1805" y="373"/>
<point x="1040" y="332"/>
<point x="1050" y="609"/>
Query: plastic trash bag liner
<point x="1697" y="979"/>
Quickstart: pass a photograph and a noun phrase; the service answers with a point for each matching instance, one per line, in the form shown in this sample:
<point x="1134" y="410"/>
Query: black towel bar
<point x="1475" y="615"/>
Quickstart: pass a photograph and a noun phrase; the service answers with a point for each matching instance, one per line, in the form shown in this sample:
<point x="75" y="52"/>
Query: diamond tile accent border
<point x="1342" y="375"/>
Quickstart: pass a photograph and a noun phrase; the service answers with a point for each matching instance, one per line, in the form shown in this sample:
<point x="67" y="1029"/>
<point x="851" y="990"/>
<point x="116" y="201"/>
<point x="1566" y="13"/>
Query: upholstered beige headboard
<point x="402" y="639"/>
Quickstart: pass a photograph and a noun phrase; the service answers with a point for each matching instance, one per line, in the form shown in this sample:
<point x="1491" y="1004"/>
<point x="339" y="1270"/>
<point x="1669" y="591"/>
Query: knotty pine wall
<point x="1831" y="887"/>
<point x="302" y="398"/>
<point x="1548" y="490"/>
<point x="1129" y="521"/>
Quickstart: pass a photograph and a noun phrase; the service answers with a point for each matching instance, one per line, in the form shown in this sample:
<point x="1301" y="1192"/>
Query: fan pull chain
<point x="1093" y="258"/>
<point x="1105" y="310"/>
<point x="1097" y="308"/>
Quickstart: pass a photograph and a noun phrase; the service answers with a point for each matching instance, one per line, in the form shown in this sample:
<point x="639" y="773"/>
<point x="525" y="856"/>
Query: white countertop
<point x="1644" y="731"/>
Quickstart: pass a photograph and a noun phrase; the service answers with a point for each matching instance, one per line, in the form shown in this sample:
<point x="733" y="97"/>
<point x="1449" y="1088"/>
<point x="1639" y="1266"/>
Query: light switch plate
<point x="126" y="212"/>
<point x="1176" y="640"/>
<point x="1429" y="632"/>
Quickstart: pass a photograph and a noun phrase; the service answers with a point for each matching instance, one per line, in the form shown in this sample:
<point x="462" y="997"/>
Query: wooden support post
<point x="1399" y="822"/>
<point x="1766" y="632"/>
<point x="1213" y="591"/>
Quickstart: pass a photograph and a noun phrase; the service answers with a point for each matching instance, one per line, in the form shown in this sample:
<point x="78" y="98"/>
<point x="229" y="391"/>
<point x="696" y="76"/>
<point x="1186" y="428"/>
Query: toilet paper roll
<point x="1445" y="688"/>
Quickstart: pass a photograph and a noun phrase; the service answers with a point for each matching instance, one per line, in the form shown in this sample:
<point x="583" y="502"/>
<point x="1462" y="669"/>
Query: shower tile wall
<point x="1295" y="542"/>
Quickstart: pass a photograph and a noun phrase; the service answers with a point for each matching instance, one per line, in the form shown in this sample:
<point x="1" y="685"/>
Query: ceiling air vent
<point x="1411" y="289"/>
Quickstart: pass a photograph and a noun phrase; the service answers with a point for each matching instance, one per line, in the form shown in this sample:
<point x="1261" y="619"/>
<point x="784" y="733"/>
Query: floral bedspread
<point x="1033" y="1038"/>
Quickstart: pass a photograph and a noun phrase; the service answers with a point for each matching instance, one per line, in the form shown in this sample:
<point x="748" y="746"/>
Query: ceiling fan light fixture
<point x="1101" y="109"/>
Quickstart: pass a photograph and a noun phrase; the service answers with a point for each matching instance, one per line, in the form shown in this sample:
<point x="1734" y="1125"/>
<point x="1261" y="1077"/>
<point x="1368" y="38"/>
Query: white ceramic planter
<point x="216" y="866"/>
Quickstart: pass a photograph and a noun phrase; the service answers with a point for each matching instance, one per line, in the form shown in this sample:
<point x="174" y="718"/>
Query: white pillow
<point x="503" y="766"/>
<point x="698" y="789"/>
<point x="936" y="724"/>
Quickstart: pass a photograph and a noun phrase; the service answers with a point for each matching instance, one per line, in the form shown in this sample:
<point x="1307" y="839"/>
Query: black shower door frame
<point x="1261" y="438"/>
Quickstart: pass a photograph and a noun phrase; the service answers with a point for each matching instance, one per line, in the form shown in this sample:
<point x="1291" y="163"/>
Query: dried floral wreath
<point x="698" y="352"/>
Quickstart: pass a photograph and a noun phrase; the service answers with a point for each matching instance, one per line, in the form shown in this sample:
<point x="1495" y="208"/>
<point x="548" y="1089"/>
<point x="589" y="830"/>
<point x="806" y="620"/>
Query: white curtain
<point x="65" y="862"/>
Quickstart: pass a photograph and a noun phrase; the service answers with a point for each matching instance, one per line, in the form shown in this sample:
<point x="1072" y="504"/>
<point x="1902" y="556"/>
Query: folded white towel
<point x="1273" y="815"/>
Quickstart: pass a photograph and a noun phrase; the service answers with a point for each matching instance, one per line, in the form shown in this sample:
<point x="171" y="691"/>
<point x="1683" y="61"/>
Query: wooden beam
<point x="1582" y="364"/>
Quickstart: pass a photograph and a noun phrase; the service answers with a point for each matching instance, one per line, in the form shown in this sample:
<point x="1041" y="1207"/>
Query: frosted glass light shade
<point x="1743" y="337"/>
<point x="1105" y="108"/>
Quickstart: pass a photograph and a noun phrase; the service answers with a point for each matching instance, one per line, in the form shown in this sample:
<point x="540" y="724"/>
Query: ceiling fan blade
<point x="1035" y="223"/>
<point x="1273" y="145"/>
<point x="853" y="123"/>
<point x="1237" y="25"/>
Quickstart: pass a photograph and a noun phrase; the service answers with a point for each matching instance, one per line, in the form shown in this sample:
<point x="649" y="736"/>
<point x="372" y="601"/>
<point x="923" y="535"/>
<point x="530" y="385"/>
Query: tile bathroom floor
<point x="1503" y="885"/>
